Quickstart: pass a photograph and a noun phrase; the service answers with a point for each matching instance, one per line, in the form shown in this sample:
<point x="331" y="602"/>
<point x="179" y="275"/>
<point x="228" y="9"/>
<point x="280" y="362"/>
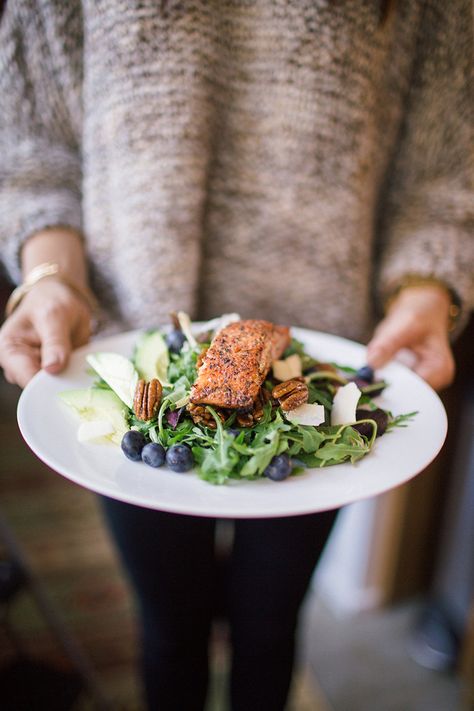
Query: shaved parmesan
<point x="308" y="414"/>
<point x="185" y="324"/>
<point x="94" y="429"/>
<point x="345" y="404"/>
<point x="217" y="324"/>
<point x="288" y="368"/>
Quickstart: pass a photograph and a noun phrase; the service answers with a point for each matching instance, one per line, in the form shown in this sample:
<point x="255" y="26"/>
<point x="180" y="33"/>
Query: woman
<point x="303" y="162"/>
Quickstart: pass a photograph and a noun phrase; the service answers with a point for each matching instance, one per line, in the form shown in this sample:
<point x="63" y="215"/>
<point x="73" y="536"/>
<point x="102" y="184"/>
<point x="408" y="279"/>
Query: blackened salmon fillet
<point x="237" y="363"/>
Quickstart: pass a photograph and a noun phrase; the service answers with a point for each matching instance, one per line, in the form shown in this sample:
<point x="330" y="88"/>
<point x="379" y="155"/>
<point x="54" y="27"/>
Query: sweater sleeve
<point x="40" y="166"/>
<point x="427" y="215"/>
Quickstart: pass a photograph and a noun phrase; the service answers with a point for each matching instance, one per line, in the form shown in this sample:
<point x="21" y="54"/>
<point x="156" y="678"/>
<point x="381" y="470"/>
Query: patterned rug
<point x="59" y="529"/>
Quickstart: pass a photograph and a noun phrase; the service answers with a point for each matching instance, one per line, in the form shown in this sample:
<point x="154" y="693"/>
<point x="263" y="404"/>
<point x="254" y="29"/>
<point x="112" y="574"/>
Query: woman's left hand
<point x="417" y="320"/>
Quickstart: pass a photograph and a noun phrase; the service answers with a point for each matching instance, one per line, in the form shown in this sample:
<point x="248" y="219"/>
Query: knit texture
<point x="288" y="159"/>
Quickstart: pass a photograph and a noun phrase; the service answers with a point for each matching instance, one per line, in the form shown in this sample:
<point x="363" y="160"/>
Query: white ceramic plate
<point x="50" y="429"/>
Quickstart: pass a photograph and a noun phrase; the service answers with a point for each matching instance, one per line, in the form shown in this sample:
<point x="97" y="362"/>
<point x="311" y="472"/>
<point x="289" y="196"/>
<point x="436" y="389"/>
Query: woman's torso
<point x="234" y="154"/>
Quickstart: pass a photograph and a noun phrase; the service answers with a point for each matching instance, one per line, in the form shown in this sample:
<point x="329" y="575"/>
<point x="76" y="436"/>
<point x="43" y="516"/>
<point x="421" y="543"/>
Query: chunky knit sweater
<point x="287" y="159"/>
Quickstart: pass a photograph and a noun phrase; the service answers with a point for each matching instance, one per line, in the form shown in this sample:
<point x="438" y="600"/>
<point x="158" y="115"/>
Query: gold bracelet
<point x="42" y="271"/>
<point x="410" y="280"/>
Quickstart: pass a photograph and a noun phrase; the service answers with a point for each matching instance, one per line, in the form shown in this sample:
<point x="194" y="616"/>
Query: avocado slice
<point x="151" y="357"/>
<point x="118" y="372"/>
<point x="94" y="404"/>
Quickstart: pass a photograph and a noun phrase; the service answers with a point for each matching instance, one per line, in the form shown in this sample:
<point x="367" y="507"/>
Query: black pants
<point x="173" y="567"/>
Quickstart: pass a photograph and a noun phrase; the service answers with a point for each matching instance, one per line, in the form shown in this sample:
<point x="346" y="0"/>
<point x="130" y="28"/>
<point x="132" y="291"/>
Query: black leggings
<point x="176" y="575"/>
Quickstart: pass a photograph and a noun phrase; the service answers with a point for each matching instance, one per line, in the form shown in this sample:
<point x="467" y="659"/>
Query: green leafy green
<point x="183" y="364"/>
<point x="400" y="420"/>
<point x="226" y="451"/>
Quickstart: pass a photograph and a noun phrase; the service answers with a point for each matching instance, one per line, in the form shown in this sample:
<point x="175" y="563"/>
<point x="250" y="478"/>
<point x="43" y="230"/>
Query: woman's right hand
<point x="48" y="323"/>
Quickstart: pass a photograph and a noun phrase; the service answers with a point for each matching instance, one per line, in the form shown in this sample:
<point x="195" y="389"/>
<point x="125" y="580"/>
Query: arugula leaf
<point x="348" y="444"/>
<point x="304" y="438"/>
<point x="340" y="444"/>
<point x="322" y="396"/>
<point x="183" y="364"/>
<point x="217" y="463"/>
<point x="180" y="389"/>
<point x="400" y="420"/>
<point x="312" y="438"/>
<point x="266" y="443"/>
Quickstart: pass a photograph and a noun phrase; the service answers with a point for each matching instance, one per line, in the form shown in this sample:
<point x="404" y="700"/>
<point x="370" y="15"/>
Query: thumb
<point x="55" y="340"/>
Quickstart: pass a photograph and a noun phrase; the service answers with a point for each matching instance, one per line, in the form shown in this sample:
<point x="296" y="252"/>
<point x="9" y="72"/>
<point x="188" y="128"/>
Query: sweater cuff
<point x="436" y="254"/>
<point x="61" y="210"/>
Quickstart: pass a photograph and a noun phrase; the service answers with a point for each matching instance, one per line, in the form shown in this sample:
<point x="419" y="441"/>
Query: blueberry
<point x="179" y="458"/>
<point x="132" y="445"/>
<point x="365" y="373"/>
<point x="279" y="468"/>
<point x="175" y="340"/>
<point x="153" y="454"/>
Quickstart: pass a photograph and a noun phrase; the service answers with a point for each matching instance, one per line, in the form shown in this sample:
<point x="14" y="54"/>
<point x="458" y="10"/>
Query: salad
<point x="307" y="413"/>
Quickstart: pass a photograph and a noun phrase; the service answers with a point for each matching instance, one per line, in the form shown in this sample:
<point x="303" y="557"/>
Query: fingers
<point x="379" y="353"/>
<point x="431" y="355"/>
<point x="436" y="365"/>
<point x="23" y="367"/>
<point x="41" y="333"/>
<point x="391" y="335"/>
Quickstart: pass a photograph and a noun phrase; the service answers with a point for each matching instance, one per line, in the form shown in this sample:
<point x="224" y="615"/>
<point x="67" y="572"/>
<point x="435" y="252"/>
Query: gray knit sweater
<point x="286" y="159"/>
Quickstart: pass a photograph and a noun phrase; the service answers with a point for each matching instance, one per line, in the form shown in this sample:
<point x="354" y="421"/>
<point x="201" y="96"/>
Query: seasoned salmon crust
<point x="237" y="363"/>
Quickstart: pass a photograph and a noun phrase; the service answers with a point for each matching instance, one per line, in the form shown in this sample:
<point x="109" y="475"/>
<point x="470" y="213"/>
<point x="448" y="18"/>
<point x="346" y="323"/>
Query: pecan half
<point x="200" y="415"/>
<point x="263" y="397"/>
<point x="147" y="398"/>
<point x="290" y="394"/>
<point x="247" y="419"/>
